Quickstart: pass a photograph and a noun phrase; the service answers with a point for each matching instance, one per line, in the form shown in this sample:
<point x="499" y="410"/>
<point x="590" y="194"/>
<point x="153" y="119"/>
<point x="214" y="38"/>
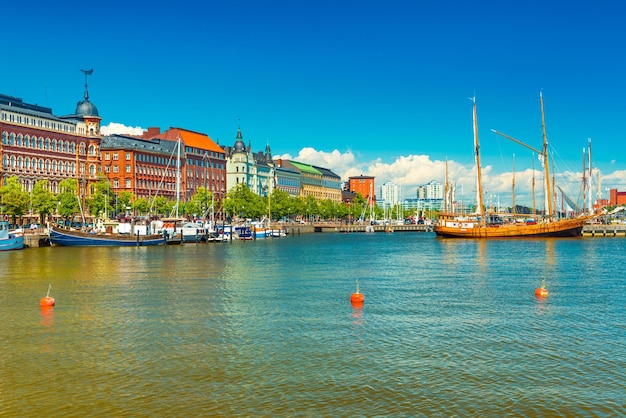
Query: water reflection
<point x="264" y="329"/>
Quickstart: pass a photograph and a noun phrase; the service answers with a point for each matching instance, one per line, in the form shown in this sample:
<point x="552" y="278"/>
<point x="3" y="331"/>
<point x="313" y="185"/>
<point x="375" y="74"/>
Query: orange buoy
<point x="48" y="300"/>
<point x="541" y="292"/>
<point x="357" y="297"/>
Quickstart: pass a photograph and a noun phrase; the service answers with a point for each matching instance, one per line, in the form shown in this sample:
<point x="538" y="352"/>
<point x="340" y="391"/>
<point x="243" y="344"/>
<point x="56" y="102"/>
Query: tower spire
<point x="87" y="72"/>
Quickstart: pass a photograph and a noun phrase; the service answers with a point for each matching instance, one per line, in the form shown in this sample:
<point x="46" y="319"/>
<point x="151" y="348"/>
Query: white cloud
<point x="412" y="171"/>
<point x="118" y="128"/>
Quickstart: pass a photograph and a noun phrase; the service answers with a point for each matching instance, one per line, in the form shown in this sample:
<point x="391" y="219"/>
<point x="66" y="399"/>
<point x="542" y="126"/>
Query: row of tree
<point x="239" y="202"/>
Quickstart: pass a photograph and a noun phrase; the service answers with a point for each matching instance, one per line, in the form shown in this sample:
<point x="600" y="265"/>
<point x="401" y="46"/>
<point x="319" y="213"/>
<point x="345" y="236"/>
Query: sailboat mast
<point x="546" y="161"/>
<point x="479" y="184"/>
<point x="446" y="191"/>
<point x="513" y="209"/>
<point x="178" y="177"/>
<point x="584" y="179"/>
<point x="589" y="200"/>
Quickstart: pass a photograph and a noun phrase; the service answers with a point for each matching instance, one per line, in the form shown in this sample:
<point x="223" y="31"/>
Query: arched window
<point x="5" y="137"/>
<point x="40" y="143"/>
<point x="92" y="169"/>
<point x="73" y="148"/>
<point x="19" y="140"/>
<point x="48" y="165"/>
<point x="81" y="148"/>
<point x="12" y="139"/>
<point x="26" y="141"/>
<point x="5" y="161"/>
<point x="27" y="163"/>
<point x="64" y="146"/>
<point x="47" y="143"/>
<point x="19" y="162"/>
<point x="54" y="145"/>
<point x="13" y="164"/>
<point x="73" y="166"/>
<point x="55" y="166"/>
<point x="40" y="164"/>
<point x="92" y="150"/>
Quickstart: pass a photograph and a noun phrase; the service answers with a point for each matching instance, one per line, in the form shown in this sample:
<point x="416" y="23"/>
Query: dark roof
<point x="15" y="104"/>
<point x="326" y="172"/>
<point x="155" y="146"/>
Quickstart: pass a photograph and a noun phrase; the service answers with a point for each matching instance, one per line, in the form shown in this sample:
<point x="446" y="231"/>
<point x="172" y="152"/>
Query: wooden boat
<point x="482" y="225"/>
<point x="10" y="240"/>
<point x="69" y="238"/>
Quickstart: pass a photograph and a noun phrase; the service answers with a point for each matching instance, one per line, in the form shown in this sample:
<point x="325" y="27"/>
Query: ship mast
<point x="513" y="209"/>
<point x="546" y="160"/>
<point x="590" y="199"/>
<point x="446" y="191"/>
<point x="479" y="185"/>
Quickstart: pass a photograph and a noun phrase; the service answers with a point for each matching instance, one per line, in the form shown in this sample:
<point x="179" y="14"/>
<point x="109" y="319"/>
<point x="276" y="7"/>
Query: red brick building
<point x="363" y="185"/>
<point x="617" y="198"/>
<point x="37" y="145"/>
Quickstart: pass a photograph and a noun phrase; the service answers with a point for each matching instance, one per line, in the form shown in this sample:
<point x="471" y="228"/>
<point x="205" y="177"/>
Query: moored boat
<point x="69" y="238"/>
<point x="483" y="225"/>
<point x="10" y="240"/>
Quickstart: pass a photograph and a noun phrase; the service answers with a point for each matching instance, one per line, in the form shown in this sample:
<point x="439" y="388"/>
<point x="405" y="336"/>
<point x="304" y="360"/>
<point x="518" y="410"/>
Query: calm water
<point x="449" y="328"/>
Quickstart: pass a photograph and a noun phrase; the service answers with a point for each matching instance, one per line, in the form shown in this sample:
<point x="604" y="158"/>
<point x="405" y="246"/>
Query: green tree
<point x="15" y="200"/>
<point x="68" y="199"/>
<point x="280" y="203"/>
<point x="100" y="201"/>
<point x="43" y="200"/>
<point x="124" y="200"/>
<point x="161" y="206"/>
<point x="241" y="202"/>
<point x="141" y="206"/>
<point x="200" y="203"/>
<point x="311" y="207"/>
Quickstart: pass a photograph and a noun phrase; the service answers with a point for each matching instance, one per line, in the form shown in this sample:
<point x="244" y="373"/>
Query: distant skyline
<point x="365" y="87"/>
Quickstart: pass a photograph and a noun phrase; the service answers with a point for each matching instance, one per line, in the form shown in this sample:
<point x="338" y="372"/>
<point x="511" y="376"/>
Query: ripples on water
<point x="449" y="328"/>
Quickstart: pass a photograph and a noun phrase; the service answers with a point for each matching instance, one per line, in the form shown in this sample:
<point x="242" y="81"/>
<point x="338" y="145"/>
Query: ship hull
<point x="82" y="239"/>
<point x="558" y="229"/>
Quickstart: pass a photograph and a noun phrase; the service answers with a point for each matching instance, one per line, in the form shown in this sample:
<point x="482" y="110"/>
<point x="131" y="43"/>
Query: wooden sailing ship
<point x="483" y="225"/>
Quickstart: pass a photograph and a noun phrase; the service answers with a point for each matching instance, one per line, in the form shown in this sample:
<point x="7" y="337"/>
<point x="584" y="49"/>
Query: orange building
<point x="617" y="198"/>
<point x="203" y="162"/>
<point x="363" y="185"/>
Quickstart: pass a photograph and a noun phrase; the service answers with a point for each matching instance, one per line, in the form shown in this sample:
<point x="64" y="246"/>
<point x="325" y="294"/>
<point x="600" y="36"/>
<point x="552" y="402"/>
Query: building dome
<point x="86" y="108"/>
<point x="239" y="145"/>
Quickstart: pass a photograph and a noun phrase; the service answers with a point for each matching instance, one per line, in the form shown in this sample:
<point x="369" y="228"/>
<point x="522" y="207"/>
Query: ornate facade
<point x="255" y="170"/>
<point x="38" y="145"/>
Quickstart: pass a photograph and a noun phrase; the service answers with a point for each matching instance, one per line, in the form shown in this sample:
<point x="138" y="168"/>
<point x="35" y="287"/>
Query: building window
<point x="128" y="183"/>
<point x="107" y="169"/>
<point x="107" y="156"/>
<point x="128" y="156"/>
<point x="115" y="156"/>
<point x="116" y="183"/>
<point x="92" y="169"/>
<point x="128" y="168"/>
<point x="92" y="150"/>
<point x="116" y="169"/>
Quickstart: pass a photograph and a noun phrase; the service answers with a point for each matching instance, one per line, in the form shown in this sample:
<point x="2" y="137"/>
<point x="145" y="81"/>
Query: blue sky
<point x="377" y="88"/>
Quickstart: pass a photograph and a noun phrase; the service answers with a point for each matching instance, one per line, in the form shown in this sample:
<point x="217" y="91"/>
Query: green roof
<point x="306" y="168"/>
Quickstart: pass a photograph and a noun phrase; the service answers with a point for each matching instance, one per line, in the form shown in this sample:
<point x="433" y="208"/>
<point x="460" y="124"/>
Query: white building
<point x="431" y="191"/>
<point x="389" y="193"/>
